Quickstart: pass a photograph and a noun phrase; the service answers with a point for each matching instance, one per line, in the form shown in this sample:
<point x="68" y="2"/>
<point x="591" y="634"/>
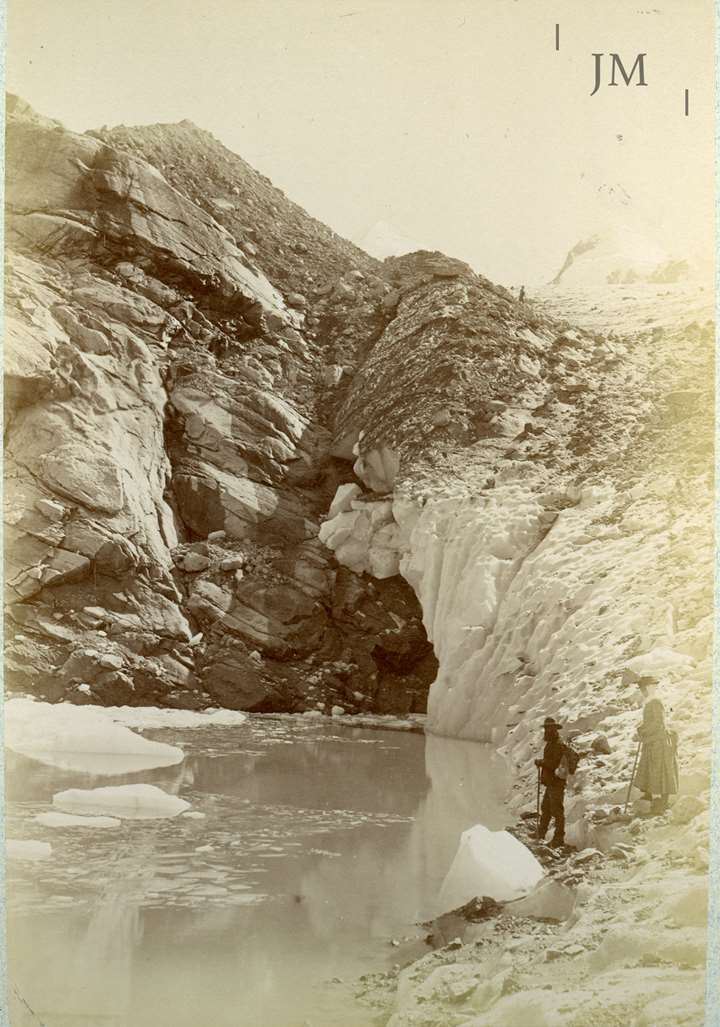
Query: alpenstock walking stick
<point x="632" y="777"/>
<point x="537" y="812"/>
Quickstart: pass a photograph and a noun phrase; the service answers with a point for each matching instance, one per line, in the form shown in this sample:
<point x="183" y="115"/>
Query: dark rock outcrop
<point x="177" y="336"/>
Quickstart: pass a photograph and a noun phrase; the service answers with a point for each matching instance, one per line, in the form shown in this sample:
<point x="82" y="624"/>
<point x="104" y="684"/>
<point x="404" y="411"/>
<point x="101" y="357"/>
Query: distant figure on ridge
<point x="521" y="297"/>
<point x="553" y="807"/>
<point x="657" y="771"/>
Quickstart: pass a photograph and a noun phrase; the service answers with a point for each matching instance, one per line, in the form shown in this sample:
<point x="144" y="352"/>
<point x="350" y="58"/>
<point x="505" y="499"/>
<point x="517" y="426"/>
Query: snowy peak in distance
<point x="620" y="256"/>
<point x="617" y="246"/>
<point x="617" y="254"/>
<point x="385" y="240"/>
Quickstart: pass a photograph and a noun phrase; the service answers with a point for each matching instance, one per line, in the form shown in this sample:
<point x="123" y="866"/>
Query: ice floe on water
<point x="153" y="717"/>
<point x="131" y="802"/>
<point x="81" y="738"/>
<point x="70" y="820"/>
<point x="413" y="722"/>
<point x="27" y="849"/>
<point x="235" y="846"/>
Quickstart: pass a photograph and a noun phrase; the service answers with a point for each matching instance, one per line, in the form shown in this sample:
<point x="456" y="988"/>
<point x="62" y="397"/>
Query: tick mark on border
<point x="687" y="103"/>
<point x="557" y="37"/>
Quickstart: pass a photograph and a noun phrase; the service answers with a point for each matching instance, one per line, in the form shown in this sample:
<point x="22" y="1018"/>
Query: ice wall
<point x="538" y="603"/>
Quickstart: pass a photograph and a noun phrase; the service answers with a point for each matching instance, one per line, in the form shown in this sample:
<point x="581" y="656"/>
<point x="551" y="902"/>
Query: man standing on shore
<point x="552" y="807"/>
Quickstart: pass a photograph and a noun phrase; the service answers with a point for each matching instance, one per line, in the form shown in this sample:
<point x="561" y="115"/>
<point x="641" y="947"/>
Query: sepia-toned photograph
<point x="358" y="479"/>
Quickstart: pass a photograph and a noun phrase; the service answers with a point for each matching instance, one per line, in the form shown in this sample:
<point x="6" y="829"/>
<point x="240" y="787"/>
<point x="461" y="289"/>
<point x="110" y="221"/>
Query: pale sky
<point x="457" y="121"/>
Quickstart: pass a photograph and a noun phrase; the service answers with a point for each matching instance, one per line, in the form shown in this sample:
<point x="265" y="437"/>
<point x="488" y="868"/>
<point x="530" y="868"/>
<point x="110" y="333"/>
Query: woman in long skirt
<point x="657" y="771"/>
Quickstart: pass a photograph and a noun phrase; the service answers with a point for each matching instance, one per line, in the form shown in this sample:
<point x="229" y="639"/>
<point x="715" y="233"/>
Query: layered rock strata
<point x="167" y="440"/>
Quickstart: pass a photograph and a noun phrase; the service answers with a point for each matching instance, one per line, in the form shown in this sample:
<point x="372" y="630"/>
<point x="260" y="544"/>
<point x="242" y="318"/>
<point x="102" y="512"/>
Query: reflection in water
<point x="319" y="845"/>
<point x="99" y="981"/>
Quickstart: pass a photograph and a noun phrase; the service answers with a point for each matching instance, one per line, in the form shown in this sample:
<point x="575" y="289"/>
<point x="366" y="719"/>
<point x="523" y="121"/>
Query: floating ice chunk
<point x="491" y="863"/>
<point x="81" y="738"/>
<point x="131" y="802"/>
<point x="154" y="717"/>
<point x="16" y="849"/>
<point x="69" y="820"/>
<point x="194" y="814"/>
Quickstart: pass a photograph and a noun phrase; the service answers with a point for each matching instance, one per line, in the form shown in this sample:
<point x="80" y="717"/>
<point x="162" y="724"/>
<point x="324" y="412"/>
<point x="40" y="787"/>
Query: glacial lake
<point x="319" y="845"/>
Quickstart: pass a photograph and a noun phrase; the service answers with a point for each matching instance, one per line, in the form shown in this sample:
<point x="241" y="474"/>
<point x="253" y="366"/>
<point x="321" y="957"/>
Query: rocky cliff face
<point x="170" y="388"/>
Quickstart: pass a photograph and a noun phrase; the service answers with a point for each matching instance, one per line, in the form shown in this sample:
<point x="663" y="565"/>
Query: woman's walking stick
<point x="537" y="814"/>
<point x="632" y="777"/>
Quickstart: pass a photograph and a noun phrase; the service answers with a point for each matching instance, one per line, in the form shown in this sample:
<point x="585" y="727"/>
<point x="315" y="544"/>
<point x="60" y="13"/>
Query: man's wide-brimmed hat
<point x="551" y="722"/>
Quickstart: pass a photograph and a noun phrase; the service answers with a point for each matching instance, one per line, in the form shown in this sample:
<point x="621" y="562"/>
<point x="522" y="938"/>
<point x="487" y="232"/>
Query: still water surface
<point x="318" y="846"/>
